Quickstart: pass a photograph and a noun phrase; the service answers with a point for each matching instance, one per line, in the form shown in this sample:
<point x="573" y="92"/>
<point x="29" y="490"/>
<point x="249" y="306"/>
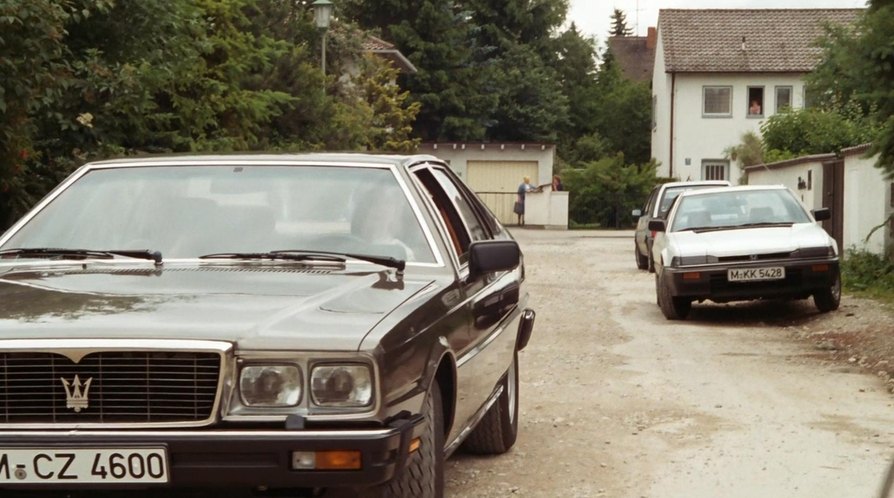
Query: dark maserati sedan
<point x="323" y="325"/>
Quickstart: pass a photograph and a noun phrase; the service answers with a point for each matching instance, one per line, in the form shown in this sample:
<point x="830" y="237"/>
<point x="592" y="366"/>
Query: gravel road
<point x="734" y="402"/>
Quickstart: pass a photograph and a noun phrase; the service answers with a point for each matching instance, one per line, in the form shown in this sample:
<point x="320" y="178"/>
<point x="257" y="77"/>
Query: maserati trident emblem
<point x="76" y="393"/>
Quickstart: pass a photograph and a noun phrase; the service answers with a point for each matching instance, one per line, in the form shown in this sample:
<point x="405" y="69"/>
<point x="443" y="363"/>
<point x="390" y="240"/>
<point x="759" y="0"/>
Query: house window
<point x="654" y="108"/>
<point x="783" y="98"/>
<point x="715" y="170"/>
<point x="717" y="101"/>
<point x="755" y="101"/>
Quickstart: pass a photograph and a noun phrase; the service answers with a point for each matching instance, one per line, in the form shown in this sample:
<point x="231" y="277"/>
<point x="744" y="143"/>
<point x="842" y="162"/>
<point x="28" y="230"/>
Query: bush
<point x="863" y="271"/>
<point x="606" y="191"/>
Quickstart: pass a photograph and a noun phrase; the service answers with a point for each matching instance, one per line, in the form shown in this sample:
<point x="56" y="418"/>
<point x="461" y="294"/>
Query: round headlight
<point x="270" y="385"/>
<point x="341" y="385"/>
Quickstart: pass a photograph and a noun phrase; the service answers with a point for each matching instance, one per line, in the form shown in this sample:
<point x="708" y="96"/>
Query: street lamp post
<point x="322" y="16"/>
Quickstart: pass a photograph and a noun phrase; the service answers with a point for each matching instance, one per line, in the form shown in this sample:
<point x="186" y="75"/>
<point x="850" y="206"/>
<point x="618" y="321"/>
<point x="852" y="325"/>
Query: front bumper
<point x="802" y="278"/>
<point x="238" y="458"/>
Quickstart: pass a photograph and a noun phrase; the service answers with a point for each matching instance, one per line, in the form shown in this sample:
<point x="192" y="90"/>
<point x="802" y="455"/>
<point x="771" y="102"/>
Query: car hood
<point x="257" y="306"/>
<point x="748" y="241"/>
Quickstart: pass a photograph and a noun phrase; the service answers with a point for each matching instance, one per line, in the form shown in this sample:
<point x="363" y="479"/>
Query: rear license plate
<point x="83" y="465"/>
<point x="756" y="274"/>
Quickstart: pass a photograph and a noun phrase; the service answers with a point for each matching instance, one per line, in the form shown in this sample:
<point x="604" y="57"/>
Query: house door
<point x="833" y="198"/>
<point x="496" y="183"/>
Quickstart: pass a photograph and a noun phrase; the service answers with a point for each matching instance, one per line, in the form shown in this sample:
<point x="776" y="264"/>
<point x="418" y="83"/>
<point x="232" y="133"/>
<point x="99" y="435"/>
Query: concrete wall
<point x="547" y="209"/>
<point x="804" y="178"/>
<point x="867" y="204"/>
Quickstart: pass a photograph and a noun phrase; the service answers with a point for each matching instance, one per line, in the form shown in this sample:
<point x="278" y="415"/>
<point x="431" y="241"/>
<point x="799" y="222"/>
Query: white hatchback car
<point x="743" y="243"/>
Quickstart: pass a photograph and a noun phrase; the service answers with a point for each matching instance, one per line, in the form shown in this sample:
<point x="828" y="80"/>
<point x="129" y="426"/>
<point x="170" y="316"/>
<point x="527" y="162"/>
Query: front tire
<point x="829" y="299"/>
<point x="497" y="431"/>
<point x="423" y="477"/>
<point x="673" y="308"/>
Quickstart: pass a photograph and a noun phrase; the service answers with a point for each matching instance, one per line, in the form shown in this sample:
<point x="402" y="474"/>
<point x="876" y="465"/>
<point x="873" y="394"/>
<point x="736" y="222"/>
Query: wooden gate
<point x="833" y="198"/>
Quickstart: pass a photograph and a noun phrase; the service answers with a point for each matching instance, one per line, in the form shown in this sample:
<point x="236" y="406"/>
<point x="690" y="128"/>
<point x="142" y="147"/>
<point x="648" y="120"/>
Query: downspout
<point x="670" y="173"/>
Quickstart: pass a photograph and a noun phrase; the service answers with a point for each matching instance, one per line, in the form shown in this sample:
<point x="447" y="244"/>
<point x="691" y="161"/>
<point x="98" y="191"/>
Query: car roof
<point x="344" y="158"/>
<point x="739" y="188"/>
<point x="699" y="183"/>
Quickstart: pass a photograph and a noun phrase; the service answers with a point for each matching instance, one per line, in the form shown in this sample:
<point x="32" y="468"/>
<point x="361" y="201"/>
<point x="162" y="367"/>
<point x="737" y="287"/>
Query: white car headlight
<point x="341" y="385"/>
<point x="270" y="385"/>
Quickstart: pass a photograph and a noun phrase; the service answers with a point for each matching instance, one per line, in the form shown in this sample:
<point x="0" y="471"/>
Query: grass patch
<point x="573" y="225"/>
<point x="868" y="275"/>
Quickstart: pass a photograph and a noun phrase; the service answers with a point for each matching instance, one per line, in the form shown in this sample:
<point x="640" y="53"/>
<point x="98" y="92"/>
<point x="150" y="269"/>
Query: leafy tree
<point x="607" y="190"/>
<point x="392" y="114"/>
<point x="454" y="89"/>
<point x="857" y="69"/>
<point x="531" y="104"/>
<point x="749" y="152"/>
<point x="812" y="131"/>
<point x="575" y="68"/>
<point x="619" y="24"/>
<point x="615" y="96"/>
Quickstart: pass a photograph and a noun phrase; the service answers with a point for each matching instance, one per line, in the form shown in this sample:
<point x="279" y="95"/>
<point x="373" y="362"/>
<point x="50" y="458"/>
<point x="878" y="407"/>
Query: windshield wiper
<point x="768" y="224"/>
<point x="298" y="255"/>
<point x="53" y="252"/>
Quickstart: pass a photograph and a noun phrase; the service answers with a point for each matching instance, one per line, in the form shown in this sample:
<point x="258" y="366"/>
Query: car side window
<point x="449" y="212"/>
<point x="466" y="212"/>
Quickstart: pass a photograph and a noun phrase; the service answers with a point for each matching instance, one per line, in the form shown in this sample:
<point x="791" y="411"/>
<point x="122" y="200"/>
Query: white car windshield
<point x="191" y="211"/>
<point x="738" y="208"/>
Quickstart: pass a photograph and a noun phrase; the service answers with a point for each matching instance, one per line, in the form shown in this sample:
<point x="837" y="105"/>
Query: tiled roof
<point x="634" y="56"/>
<point x="388" y="51"/>
<point x="745" y="40"/>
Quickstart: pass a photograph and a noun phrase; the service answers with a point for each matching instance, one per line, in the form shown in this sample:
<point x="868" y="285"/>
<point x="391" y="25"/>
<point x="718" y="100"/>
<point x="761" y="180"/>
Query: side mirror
<point x="636" y="213"/>
<point x="657" y="225"/>
<point x="822" y="214"/>
<point x="490" y="256"/>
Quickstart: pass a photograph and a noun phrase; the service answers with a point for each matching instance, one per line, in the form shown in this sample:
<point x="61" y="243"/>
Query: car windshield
<point x="671" y="193"/>
<point x="738" y="208"/>
<point x="191" y="211"/>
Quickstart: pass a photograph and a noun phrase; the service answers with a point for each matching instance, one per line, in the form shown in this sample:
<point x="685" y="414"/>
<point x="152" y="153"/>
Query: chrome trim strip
<point x="234" y="435"/>
<point x="77" y="349"/>
<point x="753" y="264"/>
<point x="483" y="345"/>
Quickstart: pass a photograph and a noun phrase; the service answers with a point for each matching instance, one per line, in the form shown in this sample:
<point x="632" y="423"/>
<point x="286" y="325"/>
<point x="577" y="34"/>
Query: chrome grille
<point x="125" y="387"/>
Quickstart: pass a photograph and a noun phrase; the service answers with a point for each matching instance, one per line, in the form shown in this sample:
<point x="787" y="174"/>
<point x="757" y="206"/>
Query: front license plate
<point x="756" y="274"/>
<point x="83" y="465"/>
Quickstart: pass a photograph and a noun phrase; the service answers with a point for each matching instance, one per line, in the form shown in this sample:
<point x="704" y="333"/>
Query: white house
<point x="720" y="73"/>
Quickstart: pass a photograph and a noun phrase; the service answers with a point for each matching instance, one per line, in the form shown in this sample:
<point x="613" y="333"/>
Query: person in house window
<point x="755" y="108"/>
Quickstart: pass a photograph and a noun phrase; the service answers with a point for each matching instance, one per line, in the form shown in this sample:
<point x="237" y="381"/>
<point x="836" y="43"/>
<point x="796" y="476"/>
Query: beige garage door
<point x="496" y="182"/>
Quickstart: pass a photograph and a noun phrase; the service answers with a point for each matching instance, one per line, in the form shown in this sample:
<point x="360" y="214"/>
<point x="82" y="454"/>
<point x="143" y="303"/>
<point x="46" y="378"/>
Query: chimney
<point x="651" y="37"/>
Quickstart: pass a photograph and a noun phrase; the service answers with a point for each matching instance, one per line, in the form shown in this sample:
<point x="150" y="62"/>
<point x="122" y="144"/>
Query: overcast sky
<point x="593" y="17"/>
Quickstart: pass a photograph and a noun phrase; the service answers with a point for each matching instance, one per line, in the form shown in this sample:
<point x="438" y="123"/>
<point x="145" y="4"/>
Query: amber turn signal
<point x="692" y="276"/>
<point x="338" y="460"/>
<point x="820" y="268"/>
<point x="415" y="444"/>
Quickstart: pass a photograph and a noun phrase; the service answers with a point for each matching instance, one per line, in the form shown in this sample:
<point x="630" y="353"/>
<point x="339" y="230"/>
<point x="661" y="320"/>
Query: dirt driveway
<point x="734" y="402"/>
